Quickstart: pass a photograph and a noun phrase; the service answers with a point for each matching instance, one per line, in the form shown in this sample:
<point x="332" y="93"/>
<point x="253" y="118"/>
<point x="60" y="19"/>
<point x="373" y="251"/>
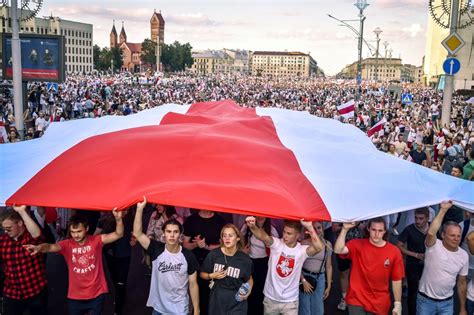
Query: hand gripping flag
<point x="219" y="156"/>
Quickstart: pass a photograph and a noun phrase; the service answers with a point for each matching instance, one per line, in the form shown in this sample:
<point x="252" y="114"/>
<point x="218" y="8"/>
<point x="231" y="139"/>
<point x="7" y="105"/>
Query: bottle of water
<point x="243" y="290"/>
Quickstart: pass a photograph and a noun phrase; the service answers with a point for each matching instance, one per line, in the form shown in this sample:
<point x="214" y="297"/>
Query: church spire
<point x="123" y="35"/>
<point x="113" y="36"/>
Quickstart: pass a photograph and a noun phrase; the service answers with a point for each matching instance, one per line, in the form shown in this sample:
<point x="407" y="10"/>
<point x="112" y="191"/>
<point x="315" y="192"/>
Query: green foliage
<point x="148" y="55"/>
<point x="104" y="56"/>
<point x="176" y="57"/>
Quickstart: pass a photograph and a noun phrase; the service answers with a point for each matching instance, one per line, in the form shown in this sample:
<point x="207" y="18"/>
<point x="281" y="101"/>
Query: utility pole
<point x="449" y="79"/>
<point x="16" y="65"/>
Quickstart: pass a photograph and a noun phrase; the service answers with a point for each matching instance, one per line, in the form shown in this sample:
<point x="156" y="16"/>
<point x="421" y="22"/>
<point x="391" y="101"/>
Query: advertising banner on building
<point x="42" y="57"/>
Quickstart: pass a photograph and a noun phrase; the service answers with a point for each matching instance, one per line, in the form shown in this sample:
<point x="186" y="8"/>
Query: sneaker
<point x="342" y="305"/>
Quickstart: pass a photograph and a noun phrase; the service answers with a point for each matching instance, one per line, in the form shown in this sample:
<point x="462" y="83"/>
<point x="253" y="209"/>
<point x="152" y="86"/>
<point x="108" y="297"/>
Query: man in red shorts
<point x="375" y="262"/>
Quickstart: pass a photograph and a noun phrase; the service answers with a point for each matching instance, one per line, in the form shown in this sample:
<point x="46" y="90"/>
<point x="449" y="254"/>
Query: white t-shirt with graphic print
<point x="169" y="279"/>
<point x="284" y="271"/>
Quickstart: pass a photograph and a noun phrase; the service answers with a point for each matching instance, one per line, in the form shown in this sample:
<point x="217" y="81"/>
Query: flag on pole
<point x="347" y="109"/>
<point x="377" y="127"/>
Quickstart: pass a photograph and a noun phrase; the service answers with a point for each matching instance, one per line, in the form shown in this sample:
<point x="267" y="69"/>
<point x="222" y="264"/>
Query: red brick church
<point x="132" y="51"/>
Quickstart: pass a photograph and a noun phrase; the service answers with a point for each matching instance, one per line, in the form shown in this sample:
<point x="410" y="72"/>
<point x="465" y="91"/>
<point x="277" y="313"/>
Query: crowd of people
<point x="219" y="263"/>
<point x="412" y="131"/>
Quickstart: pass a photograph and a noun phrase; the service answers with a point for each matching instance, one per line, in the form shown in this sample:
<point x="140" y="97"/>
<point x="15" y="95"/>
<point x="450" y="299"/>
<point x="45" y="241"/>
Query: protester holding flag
<point x="375" y="263"/>
<point x="287" y="256"/>
<point x="173" y="266"/>
<point x="83" y="255"/>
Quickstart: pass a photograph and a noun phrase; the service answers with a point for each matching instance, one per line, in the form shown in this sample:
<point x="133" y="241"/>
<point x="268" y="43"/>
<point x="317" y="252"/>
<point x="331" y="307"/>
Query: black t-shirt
<point x="210" y="229"/>
<point x="239" y="268"/>
<point x="414" y="240"/>
<point x="418" y="157"/>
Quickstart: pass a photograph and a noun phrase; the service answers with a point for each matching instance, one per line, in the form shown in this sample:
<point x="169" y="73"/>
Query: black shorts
<point x="343" y="264"/>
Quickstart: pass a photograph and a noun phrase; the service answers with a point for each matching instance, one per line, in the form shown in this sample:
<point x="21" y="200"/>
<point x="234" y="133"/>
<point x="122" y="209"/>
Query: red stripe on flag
<point x="218" y="156"/>
<point x="346" y="110"/>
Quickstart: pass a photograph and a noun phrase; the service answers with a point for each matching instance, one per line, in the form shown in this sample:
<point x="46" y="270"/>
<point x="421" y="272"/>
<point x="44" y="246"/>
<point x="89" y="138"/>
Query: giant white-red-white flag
<point x="346" y="110"/>
<point x="377" y="127"/>
<point x="220" y="156"/>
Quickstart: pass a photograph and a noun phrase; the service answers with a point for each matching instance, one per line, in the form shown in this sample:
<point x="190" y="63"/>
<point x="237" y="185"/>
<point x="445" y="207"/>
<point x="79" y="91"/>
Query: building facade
<point x="220" y="61"/>
<point x="436" y="54"/>
<point x="132" y="51"/>
<point x="383" y="70"/>
<point x="277" y="63"/>
<point x="78" y="38"/>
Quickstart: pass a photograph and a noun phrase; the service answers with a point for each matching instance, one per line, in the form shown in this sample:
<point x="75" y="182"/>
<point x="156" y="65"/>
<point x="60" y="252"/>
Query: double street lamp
<point x="361" y="5"/>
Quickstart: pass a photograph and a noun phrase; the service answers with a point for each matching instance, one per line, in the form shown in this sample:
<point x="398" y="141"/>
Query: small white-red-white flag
<point x="347" y="109"/>
<point x="377" y="127"/>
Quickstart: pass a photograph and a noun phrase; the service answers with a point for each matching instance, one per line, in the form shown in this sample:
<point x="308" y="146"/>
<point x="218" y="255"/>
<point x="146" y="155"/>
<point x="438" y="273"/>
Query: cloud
<point x="402" y="4"/>
<point x="413" y="30"/>
<point x="192" y="19"/>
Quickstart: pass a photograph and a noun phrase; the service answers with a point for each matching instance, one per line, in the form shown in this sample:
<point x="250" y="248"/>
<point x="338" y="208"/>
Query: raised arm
<point x="316" y="244"/>
<point x="436" y="224"/>
<point x="340" y="245"/>
<point x="30" y="225"/>
<point x="119" y="229"/>
<point x="138" y="227"/>
<point x="258" y="232"/>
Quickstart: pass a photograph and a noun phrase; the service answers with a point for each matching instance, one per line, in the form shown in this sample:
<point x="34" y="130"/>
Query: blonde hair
<point x="240" y="241"/>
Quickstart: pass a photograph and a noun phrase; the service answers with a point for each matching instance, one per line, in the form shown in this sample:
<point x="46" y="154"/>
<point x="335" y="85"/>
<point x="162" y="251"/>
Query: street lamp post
<point x="385" y="44"/>
<point x="377" y="32"/>
<point x="361" y="5"/>
<point x="112" y="65"/>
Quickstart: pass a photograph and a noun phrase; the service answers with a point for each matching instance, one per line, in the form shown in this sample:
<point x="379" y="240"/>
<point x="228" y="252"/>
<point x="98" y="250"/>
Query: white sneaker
<point x="342" y="305"/>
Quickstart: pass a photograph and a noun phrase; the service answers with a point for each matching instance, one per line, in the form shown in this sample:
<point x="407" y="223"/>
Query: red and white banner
<point x="346" y="110"/>
<point x="377" y="127"/>
<point x="220" y="156"/>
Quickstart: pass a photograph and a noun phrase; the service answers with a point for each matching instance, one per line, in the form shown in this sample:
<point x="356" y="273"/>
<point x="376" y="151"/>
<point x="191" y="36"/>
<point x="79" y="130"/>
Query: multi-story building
<point x="383" y="70"/>
<point x="380" y="69"/>
<point x="132" y="51"/>
<point x="220" y="61"/>
<point x="436" y="54"/>
<point x="284" y="63"/>
<point x="78" y="37"/>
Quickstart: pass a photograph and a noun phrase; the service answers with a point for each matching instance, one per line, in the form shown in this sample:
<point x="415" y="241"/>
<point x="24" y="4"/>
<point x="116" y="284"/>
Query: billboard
<point x="42" y="57"/>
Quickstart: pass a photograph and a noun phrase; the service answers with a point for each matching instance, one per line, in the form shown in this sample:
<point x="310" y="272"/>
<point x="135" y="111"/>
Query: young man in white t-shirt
<point x="286" y="260"/>
<point x="445" y="262"/>
<point x="172" y="267"/>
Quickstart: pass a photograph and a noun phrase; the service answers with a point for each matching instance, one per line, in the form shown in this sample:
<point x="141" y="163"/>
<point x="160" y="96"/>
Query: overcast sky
<point x="293" y="25"/>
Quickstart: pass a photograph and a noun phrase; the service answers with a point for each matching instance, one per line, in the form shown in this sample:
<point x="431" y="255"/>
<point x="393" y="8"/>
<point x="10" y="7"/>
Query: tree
<point x="148" y="55"/>
<point x="116" y="54"/>
<point x="104" y="56"/>
<point x="96" y="51"/>
<point x="176" y="57"/>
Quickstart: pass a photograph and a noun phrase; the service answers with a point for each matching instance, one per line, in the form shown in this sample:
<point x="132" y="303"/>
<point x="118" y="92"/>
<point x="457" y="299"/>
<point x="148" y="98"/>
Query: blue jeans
<point x="425" y="306"/>
<point x="469" y="307"/>
<point x="313" y="303"/>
